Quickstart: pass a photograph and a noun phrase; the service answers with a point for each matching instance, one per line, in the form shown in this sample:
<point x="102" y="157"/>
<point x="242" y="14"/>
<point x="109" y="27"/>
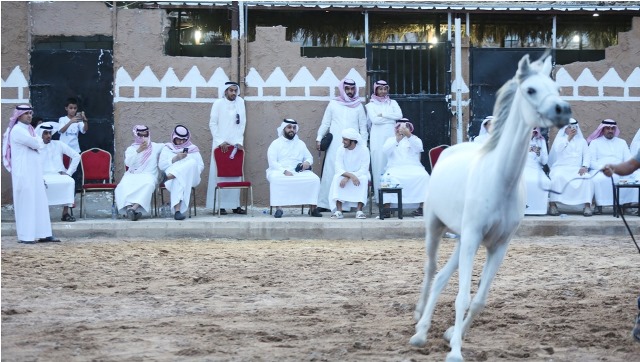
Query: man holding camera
<point x="182" y="164"/>
<point x="227" y="122"/>
<point x="291" y="181"/>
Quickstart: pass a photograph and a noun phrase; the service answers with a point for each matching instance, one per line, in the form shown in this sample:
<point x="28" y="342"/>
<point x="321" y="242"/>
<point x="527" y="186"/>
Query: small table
<point x="616" y="195"/>
<point x="390" y="190"/>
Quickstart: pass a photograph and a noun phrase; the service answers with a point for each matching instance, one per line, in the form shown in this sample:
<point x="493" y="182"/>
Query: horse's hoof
<point x="448" y="334"/>
<point x="417" y="340"/>
<point x="454" y="357"/>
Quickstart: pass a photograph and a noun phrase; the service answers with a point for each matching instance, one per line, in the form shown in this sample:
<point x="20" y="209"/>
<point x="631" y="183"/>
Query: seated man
<point x="350" y="184"/>
<point x="485" y="130"/>
<point x="605" y="147"/>
<point x="182" y="164"/>
<point x="291" y="181"/>
<point x="60" y="186"/>
<point x="404" y="166"/>
<point x="569" y="164"/>
<point x="139" y="182"/>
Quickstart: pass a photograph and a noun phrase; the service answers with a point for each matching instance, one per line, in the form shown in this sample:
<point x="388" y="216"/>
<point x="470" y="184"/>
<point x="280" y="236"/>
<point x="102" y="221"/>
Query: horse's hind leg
<point x="431" y="287"/>
<point x="434" y="229"/>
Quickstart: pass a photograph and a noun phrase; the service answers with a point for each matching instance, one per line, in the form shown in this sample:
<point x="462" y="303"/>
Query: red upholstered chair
<point x="96" y="174"/>
<point x="434" y="154"/>
<point x="228" y="167"/>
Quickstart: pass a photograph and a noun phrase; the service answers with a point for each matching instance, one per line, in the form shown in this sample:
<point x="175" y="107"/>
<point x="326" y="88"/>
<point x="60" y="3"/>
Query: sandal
<point x="360" y="215"/>
<point x="238" y="210"/>
<point x="69" y="218"/>
<point x="337" y="215"/>
<point x="417" y="212"/>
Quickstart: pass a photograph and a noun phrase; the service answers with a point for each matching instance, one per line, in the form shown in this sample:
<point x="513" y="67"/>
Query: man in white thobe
<point x="182" y="164"/>
<point x="57" y="178"/>
<point x="382" y="113"/>
<point x="536" y="181"/>
<point x="291" y="181"/>
<point x="350" y="184"/>
<point x="135" y="190"/>
<point x="404" y="167"/>
<point x="21" y="157"/>
<point x="606" y="148"/>
<point x="569" y="162"/>
<point x="345" y="111"/>
<point x="227" y="123"/>
<point x="485" y="130"/>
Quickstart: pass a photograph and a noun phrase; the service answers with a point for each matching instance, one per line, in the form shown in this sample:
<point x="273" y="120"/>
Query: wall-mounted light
<point x="433" y="40"/>
<point x="596" y="14"/>
<point x="197" y="35"/>
<point x="576" y="38"/>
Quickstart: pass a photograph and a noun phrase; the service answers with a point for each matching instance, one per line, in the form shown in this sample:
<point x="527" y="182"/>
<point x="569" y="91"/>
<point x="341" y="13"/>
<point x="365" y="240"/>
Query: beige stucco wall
<point x="139" y="37"/>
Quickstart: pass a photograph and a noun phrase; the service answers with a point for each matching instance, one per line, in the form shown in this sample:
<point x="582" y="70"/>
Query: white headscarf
<point x="351" y="134"/>
<point x="286" y="122"/>
<point x="483" y="129"/>
<point x="223" y="89"/>
<point x="46" y="127"/>
<point x="553" y="155"/>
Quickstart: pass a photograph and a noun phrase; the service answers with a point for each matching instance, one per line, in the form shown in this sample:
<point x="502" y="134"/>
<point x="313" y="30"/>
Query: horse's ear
<point x="523" y="64"/>
<point x="546" y="67"/>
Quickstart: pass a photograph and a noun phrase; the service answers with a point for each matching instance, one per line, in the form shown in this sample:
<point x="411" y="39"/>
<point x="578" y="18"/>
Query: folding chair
<point x="96" y="175"/>
<point x="228" y="167"/>
<point x="434" y="154"/>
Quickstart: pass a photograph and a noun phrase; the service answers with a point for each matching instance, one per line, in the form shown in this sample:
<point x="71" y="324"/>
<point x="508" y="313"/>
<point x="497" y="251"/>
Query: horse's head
<point x="541" y="93"/>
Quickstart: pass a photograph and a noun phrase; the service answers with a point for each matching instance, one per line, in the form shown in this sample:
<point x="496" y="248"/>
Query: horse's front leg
<point x="469" y="242"/>
<point x="495" y="256"/>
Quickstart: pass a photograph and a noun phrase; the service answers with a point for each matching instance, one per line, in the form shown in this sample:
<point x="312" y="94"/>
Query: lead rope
<point x="625" y="221"/>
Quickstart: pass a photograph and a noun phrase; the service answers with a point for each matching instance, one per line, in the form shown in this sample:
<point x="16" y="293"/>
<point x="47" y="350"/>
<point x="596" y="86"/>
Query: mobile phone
<point x="185" y="150"/>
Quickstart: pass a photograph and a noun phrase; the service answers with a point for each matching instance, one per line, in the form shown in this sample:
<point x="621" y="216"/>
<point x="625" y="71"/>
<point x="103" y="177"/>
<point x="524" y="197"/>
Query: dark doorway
<point x="86" y="75"/>
<point x="490" y="69"/>
<point x="419" y="78"/>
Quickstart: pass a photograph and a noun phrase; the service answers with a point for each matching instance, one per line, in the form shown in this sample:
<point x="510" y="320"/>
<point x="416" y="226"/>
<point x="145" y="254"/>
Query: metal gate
<point x="419" y="79"/>
<point x="490" y="68"/>
<point x="86" y="75"/>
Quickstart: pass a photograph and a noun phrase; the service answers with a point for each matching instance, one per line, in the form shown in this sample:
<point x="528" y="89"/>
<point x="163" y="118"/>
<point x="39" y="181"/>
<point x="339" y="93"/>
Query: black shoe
<point x="137" y="215"/>
<point x="179" y="216"/>
<point x="131" y="214"/>
<point x="417" y="212"/>
<point x="315" y="213"/>
<point x="223" y="212"/>
<point x="69" y="218"/>
<point x="49" y="239"/>
<point x="598" y="210"/>
<point x="238" y="210"/>
<point x="27" y="241"/>
<point x="322" y="209"/>
<point x="278" y="214"/>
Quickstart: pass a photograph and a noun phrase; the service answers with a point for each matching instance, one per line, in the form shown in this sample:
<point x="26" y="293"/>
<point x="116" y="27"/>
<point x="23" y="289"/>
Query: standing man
<point x="382" y="112"/>
<point x="227" y="123"/>
<point x="606" y="148"/>
<point x="182" y="164"/>
<point x="57" y="178"/>
<point x="291" y="181"/>
<point x="70" y="126"/>
<point x="345" y="111"/>
<point x="351" y="181"/>
<point x="21" y="157"/>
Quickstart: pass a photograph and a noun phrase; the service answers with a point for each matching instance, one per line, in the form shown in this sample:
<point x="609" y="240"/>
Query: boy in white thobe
<point x="21" y="157"/>
<point x="351" y="181"/>
<point x="182" y="164"/>
<point x="139" y="182"/>
<point x="403" y="152"/>
<point x="536" y="181"/>
<point x="382" y="113"/>
<point x="69" y="128"/>
<point x="291" y="181"/>
<point x="345" y="111"/>
<point x="227" y="123"/>
<point x="59" y="183"/>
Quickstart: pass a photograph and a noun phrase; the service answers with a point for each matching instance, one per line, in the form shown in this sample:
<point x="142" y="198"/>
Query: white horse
<point x="477" y="191"/>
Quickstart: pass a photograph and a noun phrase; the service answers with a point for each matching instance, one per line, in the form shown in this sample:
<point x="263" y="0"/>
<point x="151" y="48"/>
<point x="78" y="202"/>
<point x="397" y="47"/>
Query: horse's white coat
<point x="477" y="192"/>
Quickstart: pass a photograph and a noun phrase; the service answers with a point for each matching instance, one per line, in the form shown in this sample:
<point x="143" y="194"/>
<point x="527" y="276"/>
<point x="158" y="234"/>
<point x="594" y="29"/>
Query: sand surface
<point x="554" y="299"/>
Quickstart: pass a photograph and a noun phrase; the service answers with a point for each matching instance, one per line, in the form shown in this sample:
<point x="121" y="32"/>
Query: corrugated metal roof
<point x="514" y="6"/>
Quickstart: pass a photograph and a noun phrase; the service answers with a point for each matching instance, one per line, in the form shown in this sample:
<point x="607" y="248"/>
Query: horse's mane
<point x="505" y="96"/>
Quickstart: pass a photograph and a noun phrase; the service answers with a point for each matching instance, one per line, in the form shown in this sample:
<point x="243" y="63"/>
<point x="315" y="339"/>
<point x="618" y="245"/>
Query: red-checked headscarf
<point x="183" y="133"/>
<point x="536" y="134"/>
<point x="137" y="141"/>
<point x="378" y="99"/>
<point x="344" y="99"/>
<point x="400" y="121"/>
<point x="6" y="140"/>
<point x="598" y="132"/>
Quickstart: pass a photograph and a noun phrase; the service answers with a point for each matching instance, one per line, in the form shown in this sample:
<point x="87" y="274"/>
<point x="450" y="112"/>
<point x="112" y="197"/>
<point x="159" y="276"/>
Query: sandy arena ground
<point x="554" y="299"/>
